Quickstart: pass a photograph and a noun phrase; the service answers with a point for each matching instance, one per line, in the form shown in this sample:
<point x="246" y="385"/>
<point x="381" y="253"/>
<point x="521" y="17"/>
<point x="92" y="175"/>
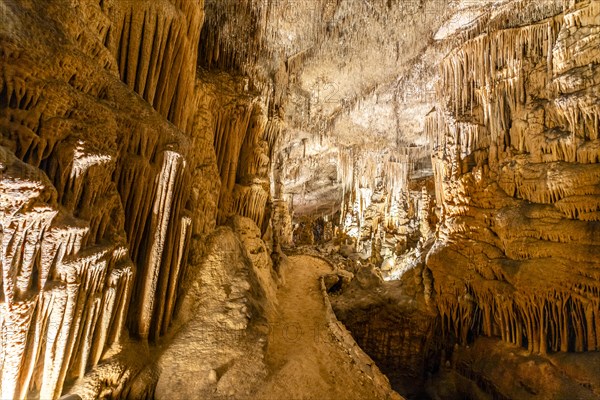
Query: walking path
<point x="307" y="359"/>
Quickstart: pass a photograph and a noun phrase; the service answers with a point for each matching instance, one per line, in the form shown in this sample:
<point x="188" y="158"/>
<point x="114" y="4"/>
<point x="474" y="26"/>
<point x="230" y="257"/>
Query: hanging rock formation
<point x="158" y="158"/>
<point x="96" y="228"/>
<point x="516" y="161"/>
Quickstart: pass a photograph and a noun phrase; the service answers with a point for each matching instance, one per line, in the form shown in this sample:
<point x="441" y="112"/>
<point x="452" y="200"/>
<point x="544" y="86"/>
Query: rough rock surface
<point x="452" y="146"/>
<point x="517" y="173"/>
<point x="218" y="352"/>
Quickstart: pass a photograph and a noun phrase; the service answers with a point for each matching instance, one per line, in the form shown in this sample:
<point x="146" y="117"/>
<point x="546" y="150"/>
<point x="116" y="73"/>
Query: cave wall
<point x="118" y="157"/>
<point x="124" y="143"/>
<point x="405" y="355"/>
<point x="100" y="227"/>
<point x="515" y="156"/>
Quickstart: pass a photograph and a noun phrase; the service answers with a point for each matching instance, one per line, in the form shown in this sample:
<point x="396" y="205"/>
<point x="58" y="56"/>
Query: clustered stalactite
<point x="386" y="205"/>
<point x="515" y="156"/>
<point x="239" y="34"/>
<point x="243" y="158"/>
<point x="98" y="236"/>
<point x="249" y="121"/>
<point x="155" y="45"/>
<point x="122" y="156"/>
<point x="62" y="304"/>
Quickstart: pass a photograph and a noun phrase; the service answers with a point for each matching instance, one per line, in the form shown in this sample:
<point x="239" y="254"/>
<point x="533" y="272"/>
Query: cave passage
<point x="308" y="359"/>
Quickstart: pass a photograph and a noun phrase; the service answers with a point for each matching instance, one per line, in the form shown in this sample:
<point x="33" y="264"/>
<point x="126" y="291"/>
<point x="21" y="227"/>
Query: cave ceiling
<point x="351" y="77"/>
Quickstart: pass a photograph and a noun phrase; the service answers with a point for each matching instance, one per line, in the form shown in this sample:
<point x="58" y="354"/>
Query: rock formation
<point x="516" y="162"/>
<point x="159" y="158"/>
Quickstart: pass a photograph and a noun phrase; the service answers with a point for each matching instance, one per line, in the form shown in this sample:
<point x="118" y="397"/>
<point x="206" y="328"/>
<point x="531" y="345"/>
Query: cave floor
<point x="306" y="359"/>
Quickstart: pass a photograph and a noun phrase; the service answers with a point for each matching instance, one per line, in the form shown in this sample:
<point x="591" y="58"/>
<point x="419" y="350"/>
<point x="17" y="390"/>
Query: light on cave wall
<point x="394" y="267"/>
<point x="350" y="227"/>
<point x="389" y="264"/>
<point x="84" y="159"/>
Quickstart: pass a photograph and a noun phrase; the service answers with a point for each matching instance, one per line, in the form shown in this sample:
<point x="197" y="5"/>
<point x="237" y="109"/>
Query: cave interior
<point x="303" y="199"/>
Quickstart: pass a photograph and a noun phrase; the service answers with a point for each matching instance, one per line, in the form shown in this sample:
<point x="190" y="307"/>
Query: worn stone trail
<point x="307" y="359"/>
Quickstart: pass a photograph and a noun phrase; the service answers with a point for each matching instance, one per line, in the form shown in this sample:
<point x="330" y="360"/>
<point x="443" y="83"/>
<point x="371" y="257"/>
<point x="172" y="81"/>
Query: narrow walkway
<point x="308" y="362"/>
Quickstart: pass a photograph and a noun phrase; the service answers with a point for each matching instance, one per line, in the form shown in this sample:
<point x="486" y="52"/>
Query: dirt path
<point x="308" y="362"/>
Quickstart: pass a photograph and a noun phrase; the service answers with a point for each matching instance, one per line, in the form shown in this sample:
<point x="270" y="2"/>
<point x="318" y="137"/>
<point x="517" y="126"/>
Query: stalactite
<point x="157" y="51"/>
<point x="250" y="201"/>
<point x="173" y="282"/>
<point x="51" y="306"/>
<point x="254" y="152"/>
<point x="556" y="321"/>
<point x="232" y="126"/>
<point x="163" y="201"/>
<point x="493" y="62"/>
<point x="516" y="129"/>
